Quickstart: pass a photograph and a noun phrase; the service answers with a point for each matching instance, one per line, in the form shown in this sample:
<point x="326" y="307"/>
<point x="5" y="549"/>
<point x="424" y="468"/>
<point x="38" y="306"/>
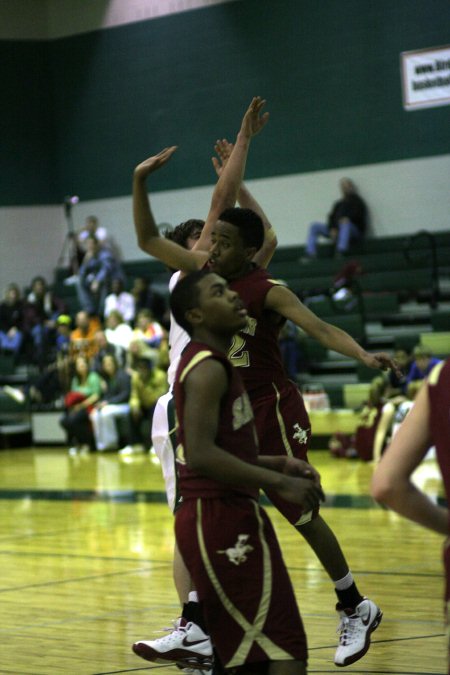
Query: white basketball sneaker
<point x="187" y="646"/>
<point x="354" y="630"/>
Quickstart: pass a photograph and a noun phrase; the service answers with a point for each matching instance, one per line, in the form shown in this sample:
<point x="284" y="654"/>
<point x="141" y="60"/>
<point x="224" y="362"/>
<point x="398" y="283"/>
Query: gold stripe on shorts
<point x="252" y="632"/>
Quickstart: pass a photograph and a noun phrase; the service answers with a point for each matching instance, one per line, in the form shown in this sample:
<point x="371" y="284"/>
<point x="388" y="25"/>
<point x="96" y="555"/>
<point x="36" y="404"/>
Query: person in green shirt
<point x="85" y="391"/>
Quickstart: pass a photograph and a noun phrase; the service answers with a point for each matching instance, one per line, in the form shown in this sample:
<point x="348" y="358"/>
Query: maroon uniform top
<point x="235" y="433"/>
<point x="439" y="393"/>
<point x="255" y="349"/>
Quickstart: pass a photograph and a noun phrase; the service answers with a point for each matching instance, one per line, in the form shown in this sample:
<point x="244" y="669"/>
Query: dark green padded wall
<point x="330" y="71"/>
<point x="26" y="157"/>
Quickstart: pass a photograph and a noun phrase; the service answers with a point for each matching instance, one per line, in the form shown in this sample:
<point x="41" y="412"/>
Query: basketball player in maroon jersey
<point x="225" y="538"/>
<point x="281" y="419"/>
<point x="427" y="424"/>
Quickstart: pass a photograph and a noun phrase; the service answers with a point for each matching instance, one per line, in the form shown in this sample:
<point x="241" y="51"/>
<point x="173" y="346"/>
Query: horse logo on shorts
<point x="301" y="435"/>
<point x="237" y="554"/>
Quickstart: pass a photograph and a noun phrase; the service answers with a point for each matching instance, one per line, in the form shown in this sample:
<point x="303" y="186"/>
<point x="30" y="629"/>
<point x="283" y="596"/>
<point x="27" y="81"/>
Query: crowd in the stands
<point x="104" y="366"/>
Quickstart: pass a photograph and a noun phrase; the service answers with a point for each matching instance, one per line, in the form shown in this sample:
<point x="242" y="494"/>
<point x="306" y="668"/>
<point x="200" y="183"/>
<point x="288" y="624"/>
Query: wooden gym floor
<point x="86" y="550"/>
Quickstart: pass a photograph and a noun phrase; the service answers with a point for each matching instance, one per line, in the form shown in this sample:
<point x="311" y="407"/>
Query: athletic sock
<point x="347" y="592"/>
<point x="192" y="611"/>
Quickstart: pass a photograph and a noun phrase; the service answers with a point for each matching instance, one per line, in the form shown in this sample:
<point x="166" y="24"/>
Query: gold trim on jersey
<point x="200" y="356"/>
<point x="252" y="631"/>
<point x="434" y="375"/>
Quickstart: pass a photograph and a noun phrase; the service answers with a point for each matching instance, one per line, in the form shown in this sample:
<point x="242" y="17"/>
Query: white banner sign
<point x="426" y="78"/>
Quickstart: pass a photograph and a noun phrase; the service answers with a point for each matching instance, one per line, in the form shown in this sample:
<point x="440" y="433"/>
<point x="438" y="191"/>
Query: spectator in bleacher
<point x="11" y="320"/>
<point x="113" y="404"/>
<point x="145" y="297"/>
<point x="98" y="269"/>
<point x="92" y="227"/>
<point x="347" y="222"/>
<point x="361" y="443"/>
<point x="148" y="383"/>
<point x="117" y="331"/>
<point x="82" y="338"/>
<point x="148" y="330"/>
<point x="423" y="363"/>
<point x="41" y="310"/>
<point x="120" y="300"/>
<point x="105" y="348"/>
<point x="85" y="391"/>
<point x="396" y="383"/>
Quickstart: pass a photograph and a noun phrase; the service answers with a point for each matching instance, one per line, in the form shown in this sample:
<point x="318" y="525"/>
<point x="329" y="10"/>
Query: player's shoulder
<point x="198" y="354"/>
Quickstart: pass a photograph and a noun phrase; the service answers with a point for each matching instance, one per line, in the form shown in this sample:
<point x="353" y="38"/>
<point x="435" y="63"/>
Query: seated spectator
<point x="91" y="228"/>
<point x="423" y="363"/>
<point x="117" y="332"/>
<point x="361" y="443"/>
<point x="105" y="348"/>
<point x="41" y="309"/>
<point x="121" y="301"/>
<point x="396" y="384"/>
<point x="148" y="383"/>
<point x="53" y="382"/>
<point x="148" y="330"/>
<point x="113" y="404"/>
<point x="97" y="270"/>
<point x="347" y="222"/>
<point x="146" y="298"/>
<point x="63" y="330"/>
<point x="82" y="338"/>
<point x="11" y="321"/>
<point x="85" y="391"/>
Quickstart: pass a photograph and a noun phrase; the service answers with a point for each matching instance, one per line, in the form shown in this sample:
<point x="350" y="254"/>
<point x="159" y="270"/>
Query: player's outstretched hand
<point x="382" y="361"/>
<point x="223" y="151"/>
<point x="302" y="491"/>
<point x="154" y="163"/>
<point x="253" y="120"/>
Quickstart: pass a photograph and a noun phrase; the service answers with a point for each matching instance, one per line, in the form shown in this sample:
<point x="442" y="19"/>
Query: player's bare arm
<point x="205" y="386"/>
<point x="148" y="236"/>
<point x="230" y="179"/>
<point x="392" y="484"/>
<point x="282" y="300"/>
<point x="246" y="200"/>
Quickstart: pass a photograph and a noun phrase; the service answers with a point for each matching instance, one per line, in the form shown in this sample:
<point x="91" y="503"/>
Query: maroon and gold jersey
<point x="439" y="393"/>
<point x="255" y="349"/>
<point x="235" y="433"/>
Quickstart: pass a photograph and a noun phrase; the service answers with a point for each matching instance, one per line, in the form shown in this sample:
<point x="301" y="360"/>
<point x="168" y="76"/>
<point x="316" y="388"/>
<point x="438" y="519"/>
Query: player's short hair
<point x="249" y="224"/>
<point x="181" y="233"/>
<point x="185" y="296"/>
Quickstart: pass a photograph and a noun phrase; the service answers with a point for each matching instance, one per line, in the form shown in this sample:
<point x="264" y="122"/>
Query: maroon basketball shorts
<point x="231" y="551"/>
<point x="283" y="428"/>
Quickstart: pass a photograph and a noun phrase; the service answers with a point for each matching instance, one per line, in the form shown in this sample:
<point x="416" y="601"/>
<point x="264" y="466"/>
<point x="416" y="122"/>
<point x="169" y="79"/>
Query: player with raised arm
<point x="188" y="234"/>
<point x="225" y="538"/>
<point x="281" y="418"/>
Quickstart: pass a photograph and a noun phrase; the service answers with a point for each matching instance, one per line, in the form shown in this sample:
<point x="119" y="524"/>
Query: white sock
<point x="193" y="596"/>
<point x="345" y="582"/>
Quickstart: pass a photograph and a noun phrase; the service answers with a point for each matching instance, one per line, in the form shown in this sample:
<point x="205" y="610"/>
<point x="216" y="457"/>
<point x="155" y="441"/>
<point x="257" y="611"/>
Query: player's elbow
<point x="383" y="489"/>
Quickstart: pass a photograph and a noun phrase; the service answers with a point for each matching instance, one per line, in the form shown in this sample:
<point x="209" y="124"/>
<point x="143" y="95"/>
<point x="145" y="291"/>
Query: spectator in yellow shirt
<point x="148" y="383"/>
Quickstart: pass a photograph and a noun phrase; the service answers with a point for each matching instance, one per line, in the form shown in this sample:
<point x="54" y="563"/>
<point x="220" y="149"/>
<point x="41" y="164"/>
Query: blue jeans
<point x="93" y="303"/>
<point x="11" y="343"/>
<point x="347" y="232"/>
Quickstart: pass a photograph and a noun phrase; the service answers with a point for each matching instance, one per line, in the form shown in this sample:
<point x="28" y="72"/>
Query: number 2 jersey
<point x="255" y="349"/>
